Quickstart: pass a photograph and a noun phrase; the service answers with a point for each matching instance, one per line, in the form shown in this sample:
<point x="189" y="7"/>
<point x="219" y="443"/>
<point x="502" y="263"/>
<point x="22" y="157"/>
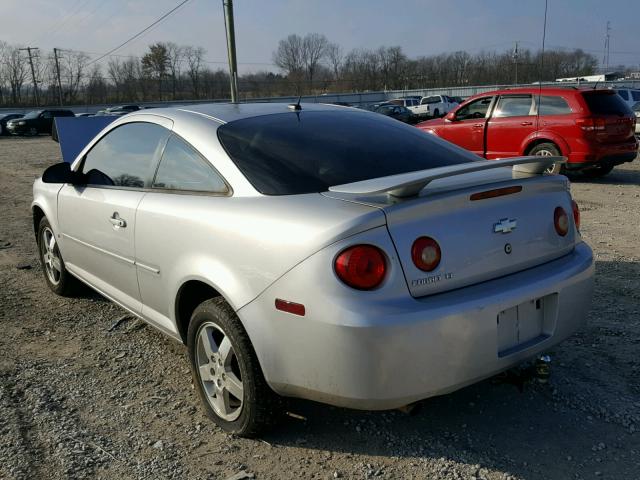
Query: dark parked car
<point x="121" y="109"/>
<point x="396" y="111"/>
<point x="4" y="118"/>
<point x="35" y="122"/>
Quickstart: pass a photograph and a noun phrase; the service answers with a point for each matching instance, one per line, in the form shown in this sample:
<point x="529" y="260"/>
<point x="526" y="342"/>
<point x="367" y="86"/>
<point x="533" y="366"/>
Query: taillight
<point x="561" y="221"/>
<point x="426" y="253"/>
<point x="576" y="213"/>
<point x="592" y="124"/>
<point x="361" y="266"/>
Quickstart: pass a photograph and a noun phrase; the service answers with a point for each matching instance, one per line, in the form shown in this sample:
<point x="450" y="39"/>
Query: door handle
<point x="525" y="124"/>
<point x="116" y="221"/>
<point x="478" y="125"/>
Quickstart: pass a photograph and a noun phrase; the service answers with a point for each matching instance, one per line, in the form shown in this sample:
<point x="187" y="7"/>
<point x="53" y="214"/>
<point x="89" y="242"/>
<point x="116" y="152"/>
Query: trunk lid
<point x="469" y="232"/>
<point x="612" y="120"/>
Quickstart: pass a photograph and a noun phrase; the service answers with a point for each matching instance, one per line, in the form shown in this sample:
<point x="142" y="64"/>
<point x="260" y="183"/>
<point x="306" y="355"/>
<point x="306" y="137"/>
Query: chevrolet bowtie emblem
<point x="505" y="226"/>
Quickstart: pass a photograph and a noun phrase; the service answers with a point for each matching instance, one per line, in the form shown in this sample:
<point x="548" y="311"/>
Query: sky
<point x="420" y="27"/>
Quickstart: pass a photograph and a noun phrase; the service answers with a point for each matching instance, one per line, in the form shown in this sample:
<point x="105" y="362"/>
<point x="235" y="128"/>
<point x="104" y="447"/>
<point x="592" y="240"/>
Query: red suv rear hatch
<point x="611" y="120"/>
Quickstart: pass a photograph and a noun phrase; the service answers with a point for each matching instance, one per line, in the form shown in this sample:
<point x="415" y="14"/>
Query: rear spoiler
<point x="410" y="184"/>
<point x="75" y="133"/>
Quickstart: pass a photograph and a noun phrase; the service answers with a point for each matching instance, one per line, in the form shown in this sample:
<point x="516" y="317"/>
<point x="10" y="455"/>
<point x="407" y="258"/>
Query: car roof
<point x="228" y="112"/>
<point x="544" y="90"/>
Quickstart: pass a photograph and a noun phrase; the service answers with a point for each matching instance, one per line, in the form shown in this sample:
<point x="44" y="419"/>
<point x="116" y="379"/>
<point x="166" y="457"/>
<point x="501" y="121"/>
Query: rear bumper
<point x="613" y="154"/>
<point x="385" y="355"/>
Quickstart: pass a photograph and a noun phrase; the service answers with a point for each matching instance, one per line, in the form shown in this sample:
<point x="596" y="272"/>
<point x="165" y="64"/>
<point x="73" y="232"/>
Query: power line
<point x="140" y="32"/>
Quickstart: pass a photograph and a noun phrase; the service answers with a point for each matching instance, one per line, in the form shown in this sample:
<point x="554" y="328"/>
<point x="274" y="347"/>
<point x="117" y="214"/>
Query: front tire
<point x="33" y="132"/>
<point x="436" y="113"/>
<point x="58" y="279"/>
<point x="548" y="149"/>
<point x="226" y="371"/>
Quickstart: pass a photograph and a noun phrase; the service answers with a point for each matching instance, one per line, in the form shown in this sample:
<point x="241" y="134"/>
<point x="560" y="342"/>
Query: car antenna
<point x="296" y="106"/>
<point x="596" y="84"/>
<point x="544" y="36"/>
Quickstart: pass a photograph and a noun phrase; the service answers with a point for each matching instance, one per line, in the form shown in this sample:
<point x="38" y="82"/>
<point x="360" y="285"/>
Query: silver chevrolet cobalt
<point x="316" y="251"/>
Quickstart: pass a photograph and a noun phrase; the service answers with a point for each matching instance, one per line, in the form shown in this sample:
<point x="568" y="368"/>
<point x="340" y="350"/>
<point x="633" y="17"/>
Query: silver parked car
<point x="318" y="252"/>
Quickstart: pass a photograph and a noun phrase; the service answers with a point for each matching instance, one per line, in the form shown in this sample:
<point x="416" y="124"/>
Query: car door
<point x="98" y="218"/>
<point x="44" y="121"/>
<point x="186" y="191"/>
<point x="467" y="127"/>
<point x="511" y="122"/>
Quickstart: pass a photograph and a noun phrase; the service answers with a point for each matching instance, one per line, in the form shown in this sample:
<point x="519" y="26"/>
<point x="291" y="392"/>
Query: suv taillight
<point x="592" y="124"/>
<point x="361" y="266"/>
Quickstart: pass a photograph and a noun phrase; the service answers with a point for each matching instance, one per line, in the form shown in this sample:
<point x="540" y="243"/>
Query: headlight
<point x="22" y="123"/>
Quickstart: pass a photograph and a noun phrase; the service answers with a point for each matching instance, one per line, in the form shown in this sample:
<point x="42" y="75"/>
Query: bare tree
<point x="176" y="54"/>
<point x="335" y="55"/>
<point x="314" y="47"/>
<point x="195" y="58"/>
<point x="72" y="72"/>
<point x="17" y="71"/>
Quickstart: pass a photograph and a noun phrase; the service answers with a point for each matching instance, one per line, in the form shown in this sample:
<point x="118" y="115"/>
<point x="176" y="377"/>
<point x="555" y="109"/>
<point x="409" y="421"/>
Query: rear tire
<point x="58" y="278"/>
<point x="548" y="149"/>
<point x="225" y="368"/>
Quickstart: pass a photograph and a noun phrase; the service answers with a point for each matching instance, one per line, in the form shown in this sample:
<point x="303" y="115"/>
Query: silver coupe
<point x="316" y="251"/>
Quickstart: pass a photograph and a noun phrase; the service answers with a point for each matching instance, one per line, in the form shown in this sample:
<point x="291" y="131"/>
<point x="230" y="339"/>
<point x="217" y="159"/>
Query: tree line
<point x="308" y="64"/>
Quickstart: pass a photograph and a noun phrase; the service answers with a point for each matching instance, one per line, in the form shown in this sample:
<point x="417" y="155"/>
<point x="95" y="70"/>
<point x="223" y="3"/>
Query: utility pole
<point x="515" y="59"/>
<point x="605" y="58"/>
<point x="33" y="73"/>
<point x="231" y="48"/>
<point x="55" y="55"/>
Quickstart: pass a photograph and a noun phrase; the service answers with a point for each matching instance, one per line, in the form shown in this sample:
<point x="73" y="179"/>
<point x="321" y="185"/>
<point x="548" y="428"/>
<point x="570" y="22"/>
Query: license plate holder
<point x="525" y="324"/>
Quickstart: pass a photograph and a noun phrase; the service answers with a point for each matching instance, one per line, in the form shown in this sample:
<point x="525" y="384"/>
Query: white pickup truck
<point x="434" y="106"/>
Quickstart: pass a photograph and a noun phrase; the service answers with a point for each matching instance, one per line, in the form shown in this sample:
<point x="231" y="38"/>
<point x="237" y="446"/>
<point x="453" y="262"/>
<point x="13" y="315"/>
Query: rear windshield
<point x="606" y="103"/>
<point x="294" y="153"/>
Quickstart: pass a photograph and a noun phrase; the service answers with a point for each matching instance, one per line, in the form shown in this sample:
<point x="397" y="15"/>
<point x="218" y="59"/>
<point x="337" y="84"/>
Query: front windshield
<point x="33" y="114"/>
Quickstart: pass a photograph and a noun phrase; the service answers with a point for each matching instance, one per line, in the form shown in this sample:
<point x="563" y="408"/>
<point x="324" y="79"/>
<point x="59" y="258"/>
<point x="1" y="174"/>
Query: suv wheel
<point x="59" y="280"/>
<point x="436" y="113"/>
<point x="226" y="371"/>
<point x="548" y="149"/>
<point x="33" y="131"/>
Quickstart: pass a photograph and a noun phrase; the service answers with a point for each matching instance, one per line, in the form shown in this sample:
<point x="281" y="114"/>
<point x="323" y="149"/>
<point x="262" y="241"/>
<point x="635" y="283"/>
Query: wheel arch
<point x="38" y="214"/>
<point x="191" y="293"/>
<point x="546" y="137"/>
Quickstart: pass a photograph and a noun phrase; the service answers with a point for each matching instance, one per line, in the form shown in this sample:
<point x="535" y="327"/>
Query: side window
<point x="553" y="106"/>
<point x="513" y="106"/>
<point x="635" y="95"/>
<point x="182" y="168"/>
<point x="46" y="115"/>
<point x="476" y="109"/>
<point x="126" y="156"/>
<point x="624" y="94"/>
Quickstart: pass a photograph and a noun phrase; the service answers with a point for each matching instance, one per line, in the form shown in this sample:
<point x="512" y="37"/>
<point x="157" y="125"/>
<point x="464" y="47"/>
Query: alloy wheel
<point x="219" y="371"/>
<point x="51" y="256"/>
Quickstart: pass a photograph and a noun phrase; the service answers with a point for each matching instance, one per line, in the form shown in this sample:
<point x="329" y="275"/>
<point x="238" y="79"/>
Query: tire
<point x="222" y="378"/>
<point x="33" y="131"/>
<point x="548" y="149"/>
<point x="598" y="171"/>
<point x="436" y="113"/>
<point x="58" y="279"/>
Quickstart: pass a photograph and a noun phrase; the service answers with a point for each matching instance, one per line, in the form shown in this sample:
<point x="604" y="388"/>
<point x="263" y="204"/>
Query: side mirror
<point x="451" y="116"/>
<point x="60" y="173"/>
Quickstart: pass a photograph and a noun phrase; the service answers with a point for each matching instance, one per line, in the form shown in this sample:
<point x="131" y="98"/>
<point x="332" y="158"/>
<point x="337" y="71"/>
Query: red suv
<point x="594" y="129"/>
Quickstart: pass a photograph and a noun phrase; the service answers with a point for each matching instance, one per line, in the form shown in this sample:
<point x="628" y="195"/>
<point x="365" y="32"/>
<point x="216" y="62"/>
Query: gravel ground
<point x="78" y="400"/>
